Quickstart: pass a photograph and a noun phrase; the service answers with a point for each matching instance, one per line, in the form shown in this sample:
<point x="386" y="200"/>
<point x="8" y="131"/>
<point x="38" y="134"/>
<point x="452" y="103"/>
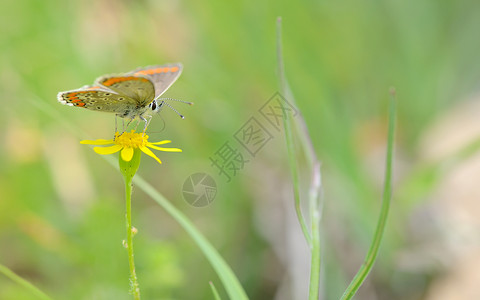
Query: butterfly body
<point x="130" y="95"/>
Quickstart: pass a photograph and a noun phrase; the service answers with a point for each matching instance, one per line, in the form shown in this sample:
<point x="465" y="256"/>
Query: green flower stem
<point x="134" y="289"/>
<point x="387" y="196"/>
<point x="128" y="170"/>
<point x="27" y="285"/>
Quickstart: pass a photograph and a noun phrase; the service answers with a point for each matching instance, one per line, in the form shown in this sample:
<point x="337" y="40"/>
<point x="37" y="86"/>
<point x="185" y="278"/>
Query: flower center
<point x="131" y="139"/>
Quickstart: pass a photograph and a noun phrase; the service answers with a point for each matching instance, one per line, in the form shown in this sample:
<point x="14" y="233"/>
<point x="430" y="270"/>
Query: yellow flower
<point x="127" y="142"/>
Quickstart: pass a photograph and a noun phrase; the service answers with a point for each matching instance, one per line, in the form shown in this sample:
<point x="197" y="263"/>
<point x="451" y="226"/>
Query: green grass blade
<point x="313" y="239"/>
<point x="382" y="220"/>
<point x="27" y="285"/>
<point x="216" y="296"/>
<point x="289" y="137"/>
<point x="315" y="215"/>
<point x="231" y="283"/>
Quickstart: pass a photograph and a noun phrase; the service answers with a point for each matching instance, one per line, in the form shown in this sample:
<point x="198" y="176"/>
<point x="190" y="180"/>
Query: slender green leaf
<point x="214" y="291"/>
<point x="382" y="220"/>
<point x="27" y="285"/>
<point x="313" y="238"/>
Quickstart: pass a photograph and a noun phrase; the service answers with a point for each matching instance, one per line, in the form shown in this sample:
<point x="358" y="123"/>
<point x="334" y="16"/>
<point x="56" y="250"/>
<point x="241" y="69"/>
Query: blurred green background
<point x="62" y="206"/>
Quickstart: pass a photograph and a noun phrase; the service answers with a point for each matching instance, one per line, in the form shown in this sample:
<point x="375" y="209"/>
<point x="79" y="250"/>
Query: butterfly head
<point x="155" y="107"/>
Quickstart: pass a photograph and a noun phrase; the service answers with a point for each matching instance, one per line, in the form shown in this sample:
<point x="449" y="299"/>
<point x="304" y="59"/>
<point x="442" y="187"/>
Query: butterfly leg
<point x="116" y="127"/>
<point x="128" y="124"/>
<point x="146" y="122"/>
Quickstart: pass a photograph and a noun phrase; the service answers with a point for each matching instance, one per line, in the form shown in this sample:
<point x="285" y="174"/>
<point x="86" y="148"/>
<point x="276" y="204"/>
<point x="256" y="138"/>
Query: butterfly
<point x="132" y="95"/>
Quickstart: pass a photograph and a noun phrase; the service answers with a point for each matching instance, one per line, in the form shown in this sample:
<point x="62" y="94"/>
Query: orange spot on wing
<point x="82" y="104"/>
<point x="150" y="71"/>
<point x="114" y="80"/>
<point x="157" y="71"/>
<point x="76" y="100"/>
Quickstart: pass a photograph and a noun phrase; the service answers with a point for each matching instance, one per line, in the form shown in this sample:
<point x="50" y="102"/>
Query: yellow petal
<point x="97" y="142"/>
<point x="107" y="150"/>
<point x="127" y="153"/>
<point x="161" y="142"/>
<point x="150" y="153"/>
<point x="164" y="149"/>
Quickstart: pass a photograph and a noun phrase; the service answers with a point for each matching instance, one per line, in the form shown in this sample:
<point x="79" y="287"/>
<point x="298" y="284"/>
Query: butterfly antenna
<point x="173" y="99"/>
<point x="171" y="107"/>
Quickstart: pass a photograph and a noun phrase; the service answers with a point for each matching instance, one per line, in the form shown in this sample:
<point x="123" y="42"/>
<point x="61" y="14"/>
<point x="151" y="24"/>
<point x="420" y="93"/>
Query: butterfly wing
<point x="97" y="98"/>
<point x="162" y="76"/>
<point x="137" y="87"/>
